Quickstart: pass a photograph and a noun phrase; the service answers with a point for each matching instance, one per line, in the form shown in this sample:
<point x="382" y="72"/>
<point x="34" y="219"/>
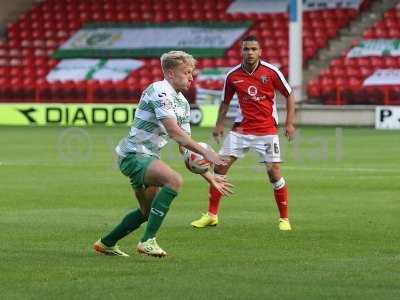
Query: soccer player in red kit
<point x="255" y="82"/>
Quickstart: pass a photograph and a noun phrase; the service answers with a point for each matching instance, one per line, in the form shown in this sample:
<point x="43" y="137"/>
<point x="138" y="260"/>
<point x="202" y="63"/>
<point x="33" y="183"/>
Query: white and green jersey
<point x="147" y="134"/>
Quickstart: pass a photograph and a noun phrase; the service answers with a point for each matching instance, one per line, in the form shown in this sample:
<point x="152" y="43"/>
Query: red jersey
<point x="256" y="93"/>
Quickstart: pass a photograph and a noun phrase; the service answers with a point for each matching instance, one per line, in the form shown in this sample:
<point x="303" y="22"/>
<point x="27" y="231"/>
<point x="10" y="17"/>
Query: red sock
<point x="214" y="197"/>
<point x="281" y="198"/>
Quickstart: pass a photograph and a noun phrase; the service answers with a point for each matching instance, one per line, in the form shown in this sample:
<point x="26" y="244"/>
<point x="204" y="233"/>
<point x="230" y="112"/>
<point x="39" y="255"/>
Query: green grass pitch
<point x="60" y="190"/>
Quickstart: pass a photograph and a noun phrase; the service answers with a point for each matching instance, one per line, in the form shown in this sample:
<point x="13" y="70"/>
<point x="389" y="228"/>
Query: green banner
<point x="33" y="114"/>
<point x="381" y="47"/>
<point x="98" y="69"/>
<point x="103" y="40"/>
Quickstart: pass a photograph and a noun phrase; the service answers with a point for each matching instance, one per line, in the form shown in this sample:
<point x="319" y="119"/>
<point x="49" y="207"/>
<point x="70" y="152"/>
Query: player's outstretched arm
<point x="183" y="139"/>
<point x="218" y="131"/>
<point x="219" y="182"/>
<point x="290" y="117"/>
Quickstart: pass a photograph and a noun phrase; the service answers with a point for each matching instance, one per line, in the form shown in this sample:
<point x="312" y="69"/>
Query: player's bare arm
<point x="182" y="138"/>
<point x="218" y="131"/>
<point x="219" y="182"/>
<point x="290" y="116"/>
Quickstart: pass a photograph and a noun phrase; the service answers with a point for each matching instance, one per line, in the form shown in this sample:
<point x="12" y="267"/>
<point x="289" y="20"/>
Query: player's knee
<point x="273" y="177"/>
<point x="274" y="173"/>
<point x="145" y="212"/>
<point x="278" y="184"/>
<point x="175" y="181"/>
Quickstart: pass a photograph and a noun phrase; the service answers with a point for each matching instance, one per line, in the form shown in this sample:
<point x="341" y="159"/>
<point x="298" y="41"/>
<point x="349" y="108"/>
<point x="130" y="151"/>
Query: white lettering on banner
<point x="331" y="4"/>
<point x="96" y="39"/>
<point x="155" y="37"/>
<point x="383" y="77"/>
<point x="387" y="117"/>
<point x="200" y="37"/>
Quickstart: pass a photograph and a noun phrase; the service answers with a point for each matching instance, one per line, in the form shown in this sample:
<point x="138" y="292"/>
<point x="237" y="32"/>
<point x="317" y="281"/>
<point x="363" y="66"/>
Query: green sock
<point x="129" y="223"/>
<point x="159" y="209"/>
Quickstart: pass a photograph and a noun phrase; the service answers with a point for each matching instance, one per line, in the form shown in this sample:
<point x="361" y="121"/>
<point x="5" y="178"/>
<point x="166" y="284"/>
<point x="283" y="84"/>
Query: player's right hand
<point x="218" y="133"/>
<point x="290" y="131"/>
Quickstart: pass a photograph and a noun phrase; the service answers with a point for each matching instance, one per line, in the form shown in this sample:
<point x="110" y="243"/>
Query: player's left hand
<point x="290" y="131"/>
<point x="221" y="184"/>
<point x="214" y="158"/>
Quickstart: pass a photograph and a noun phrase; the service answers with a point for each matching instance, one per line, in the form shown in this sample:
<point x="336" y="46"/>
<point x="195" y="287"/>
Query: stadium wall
<point x="84" y="114"/>
<point x="333" y="115"/>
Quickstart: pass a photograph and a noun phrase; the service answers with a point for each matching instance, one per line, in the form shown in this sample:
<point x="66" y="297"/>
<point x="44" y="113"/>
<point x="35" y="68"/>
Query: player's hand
<point x="218" y="133"/>
<point x="290" y="131"/>
<point x="214" y="158"/>
<point x="221" y="184"/>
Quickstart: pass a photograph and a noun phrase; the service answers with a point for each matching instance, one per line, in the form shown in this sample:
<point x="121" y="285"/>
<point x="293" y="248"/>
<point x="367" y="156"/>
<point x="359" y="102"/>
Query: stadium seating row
<point x="351" y="92"/>
<point x="25" y="59"/>
<point x="342" y="81"/>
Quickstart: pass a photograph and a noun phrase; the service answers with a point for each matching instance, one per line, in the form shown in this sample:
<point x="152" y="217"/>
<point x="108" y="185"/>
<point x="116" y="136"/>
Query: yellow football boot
<point x="284" y="224"/>
<point x="205" y="221"/>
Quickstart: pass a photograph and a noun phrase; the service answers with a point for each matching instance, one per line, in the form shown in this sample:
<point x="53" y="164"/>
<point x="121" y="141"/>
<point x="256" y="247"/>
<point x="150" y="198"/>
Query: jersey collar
<point x="255" y="69"/>
<point x="172" y="90"/>
<point x="170" y="87"/>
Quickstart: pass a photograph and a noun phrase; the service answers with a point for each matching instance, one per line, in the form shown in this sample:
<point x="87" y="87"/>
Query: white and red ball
<point x="195" y="162"/>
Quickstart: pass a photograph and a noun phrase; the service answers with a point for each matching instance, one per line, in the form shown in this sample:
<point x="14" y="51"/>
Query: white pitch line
<point x="328" y="169"/>
<point x="342" y="169"/>
<point x="255" y="165"/>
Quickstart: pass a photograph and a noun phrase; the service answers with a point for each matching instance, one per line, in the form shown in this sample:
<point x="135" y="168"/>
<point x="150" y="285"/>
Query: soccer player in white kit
<point x="162" y="112"/>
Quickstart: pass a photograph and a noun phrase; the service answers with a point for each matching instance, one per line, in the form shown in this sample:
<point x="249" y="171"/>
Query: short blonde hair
<point x="172" y="59"/>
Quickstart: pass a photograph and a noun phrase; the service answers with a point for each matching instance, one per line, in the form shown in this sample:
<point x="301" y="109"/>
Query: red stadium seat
<point x="313" y="89"/>
<point x="50" y="23"/>
<point x="377" y="62"/>
<point x="390" y="62"/>
<point x="338" y="71"/>
<point x="363" y="61"/>
<point x="337" y="62"/>
<point x="394" y="95"/>
<point x="352" y="71"/>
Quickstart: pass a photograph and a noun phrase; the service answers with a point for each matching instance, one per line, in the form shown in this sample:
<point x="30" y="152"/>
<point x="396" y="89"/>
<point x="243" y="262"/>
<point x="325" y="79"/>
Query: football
<point x="196" y="163"/>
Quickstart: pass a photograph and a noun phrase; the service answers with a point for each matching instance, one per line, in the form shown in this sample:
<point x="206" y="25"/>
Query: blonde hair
<point x="172" y="59"/>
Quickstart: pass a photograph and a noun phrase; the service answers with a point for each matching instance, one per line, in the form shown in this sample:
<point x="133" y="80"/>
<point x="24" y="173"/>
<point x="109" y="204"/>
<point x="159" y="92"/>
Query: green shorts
<point x="135" y="166"/>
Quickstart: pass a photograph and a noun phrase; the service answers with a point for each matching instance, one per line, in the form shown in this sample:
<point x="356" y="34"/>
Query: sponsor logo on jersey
<point x="167" y="103"/>
<point x="252" y="90"/>
<point x="237" y="81"/>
